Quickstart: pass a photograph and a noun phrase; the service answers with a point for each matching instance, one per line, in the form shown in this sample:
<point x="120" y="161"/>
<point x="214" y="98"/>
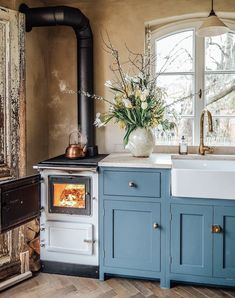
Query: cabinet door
<point x="224" y="242"/>
<point x="191" y="239"/>
<point x="131" y="235"/>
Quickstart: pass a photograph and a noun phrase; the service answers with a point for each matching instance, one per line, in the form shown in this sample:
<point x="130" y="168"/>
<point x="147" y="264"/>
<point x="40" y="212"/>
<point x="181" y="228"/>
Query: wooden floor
<point x="56" y="286"/>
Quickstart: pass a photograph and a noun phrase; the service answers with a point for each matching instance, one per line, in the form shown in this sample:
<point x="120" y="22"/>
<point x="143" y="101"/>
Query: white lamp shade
<point x="212" y="26"/>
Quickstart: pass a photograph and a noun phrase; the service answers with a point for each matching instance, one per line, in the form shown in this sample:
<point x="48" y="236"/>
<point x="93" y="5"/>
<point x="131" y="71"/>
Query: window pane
<point x="224" y="132"/>
<point x="220" y="93"/>
<point x="220" y="52"/>
<point x="174" y="53"/>
<point x="184" y="127"/>
<point x="179" y="90"/>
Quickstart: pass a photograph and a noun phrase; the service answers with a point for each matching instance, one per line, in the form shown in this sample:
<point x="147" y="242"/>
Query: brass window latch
<point x="216" y="229"/>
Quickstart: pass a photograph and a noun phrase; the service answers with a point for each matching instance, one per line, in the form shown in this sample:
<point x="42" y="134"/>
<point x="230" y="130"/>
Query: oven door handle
<point x="89" y="241"/>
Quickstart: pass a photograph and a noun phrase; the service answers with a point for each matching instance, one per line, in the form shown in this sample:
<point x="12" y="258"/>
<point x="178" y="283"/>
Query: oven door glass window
<point x="69" y="194"/>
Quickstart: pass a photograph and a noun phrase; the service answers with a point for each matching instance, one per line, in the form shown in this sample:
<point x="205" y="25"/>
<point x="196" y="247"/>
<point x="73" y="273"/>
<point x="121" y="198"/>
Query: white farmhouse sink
<point x="201" y="178"/>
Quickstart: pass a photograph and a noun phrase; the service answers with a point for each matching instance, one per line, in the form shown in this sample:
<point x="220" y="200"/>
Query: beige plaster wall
<point x="36" y="97"/>
<point x="36" y="93"/>
<point x="62" y="108"/>
<point x="124" y="21"/>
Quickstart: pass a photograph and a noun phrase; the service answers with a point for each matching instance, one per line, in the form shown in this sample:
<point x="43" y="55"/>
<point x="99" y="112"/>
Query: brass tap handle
<point x="211" y="150"/>
<point x="131" y="184"/>
<point x="216" y="229"/>
<point x="155" y="225"/>
<point x="208" y="149"/>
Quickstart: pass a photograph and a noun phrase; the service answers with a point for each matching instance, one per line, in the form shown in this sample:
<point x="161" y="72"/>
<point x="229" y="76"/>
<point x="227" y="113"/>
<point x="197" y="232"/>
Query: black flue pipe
<point x="73" y="17"/>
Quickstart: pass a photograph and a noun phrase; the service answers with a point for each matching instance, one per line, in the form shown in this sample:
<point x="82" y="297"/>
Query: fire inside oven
<point x="69" y="194"/>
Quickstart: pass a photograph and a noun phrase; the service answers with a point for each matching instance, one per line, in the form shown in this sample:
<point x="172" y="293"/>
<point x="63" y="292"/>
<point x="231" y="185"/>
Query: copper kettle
<point x="77" y="147"/>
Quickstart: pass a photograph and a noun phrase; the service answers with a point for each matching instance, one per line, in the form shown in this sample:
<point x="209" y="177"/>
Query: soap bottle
<point x="183" y="146"/>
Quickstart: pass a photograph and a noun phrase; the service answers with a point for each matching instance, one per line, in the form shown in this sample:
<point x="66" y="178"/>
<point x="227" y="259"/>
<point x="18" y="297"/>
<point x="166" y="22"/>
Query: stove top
<point x="61" y="160"/>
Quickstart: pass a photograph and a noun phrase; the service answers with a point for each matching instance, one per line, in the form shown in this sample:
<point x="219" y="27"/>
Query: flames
<point x="69" y="195"/>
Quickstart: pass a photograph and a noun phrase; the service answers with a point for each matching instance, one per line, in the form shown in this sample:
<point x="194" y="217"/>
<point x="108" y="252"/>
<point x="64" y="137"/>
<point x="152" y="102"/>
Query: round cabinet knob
<point x="155" y="225"/>
<point x="131" y="184"/>
<point x="216" y="229"/>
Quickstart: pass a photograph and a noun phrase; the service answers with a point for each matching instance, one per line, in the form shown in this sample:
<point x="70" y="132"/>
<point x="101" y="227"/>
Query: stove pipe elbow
<point x="73" y="17"/>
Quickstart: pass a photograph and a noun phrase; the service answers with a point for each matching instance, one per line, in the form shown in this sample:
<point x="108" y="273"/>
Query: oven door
<point x="70" y="194"/>
<point x="19" y="201"/>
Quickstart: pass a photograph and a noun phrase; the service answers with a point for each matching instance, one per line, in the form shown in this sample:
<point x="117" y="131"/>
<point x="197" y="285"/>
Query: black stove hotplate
<point x="61" y="160"/>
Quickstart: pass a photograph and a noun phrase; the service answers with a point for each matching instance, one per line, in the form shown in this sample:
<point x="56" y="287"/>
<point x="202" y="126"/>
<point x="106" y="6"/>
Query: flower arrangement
<point x="137" y="100"/>
<point x="136" y="103"/>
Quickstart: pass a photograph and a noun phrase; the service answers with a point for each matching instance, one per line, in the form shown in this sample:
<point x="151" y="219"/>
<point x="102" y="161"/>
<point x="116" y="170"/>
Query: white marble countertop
<point x="156" y="160"/>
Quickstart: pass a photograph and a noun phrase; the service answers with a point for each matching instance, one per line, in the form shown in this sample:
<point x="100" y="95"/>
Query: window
<point x="196" y="73"/>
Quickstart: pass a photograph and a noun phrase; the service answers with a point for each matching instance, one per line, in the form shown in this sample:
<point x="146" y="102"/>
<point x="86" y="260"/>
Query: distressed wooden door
<point x="12" y="124"/>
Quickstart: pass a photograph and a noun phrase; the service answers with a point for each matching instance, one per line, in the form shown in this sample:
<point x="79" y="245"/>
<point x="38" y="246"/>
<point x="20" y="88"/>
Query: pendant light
<point x="212" y="26"/>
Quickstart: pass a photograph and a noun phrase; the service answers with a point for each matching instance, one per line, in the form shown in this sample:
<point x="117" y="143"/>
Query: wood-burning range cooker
<point x="69" y="216"/>
<point x="65" y="196"/>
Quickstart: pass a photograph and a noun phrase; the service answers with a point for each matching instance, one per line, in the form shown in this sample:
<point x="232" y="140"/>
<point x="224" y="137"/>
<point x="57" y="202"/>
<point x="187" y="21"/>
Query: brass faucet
<point x="202" y="148"/>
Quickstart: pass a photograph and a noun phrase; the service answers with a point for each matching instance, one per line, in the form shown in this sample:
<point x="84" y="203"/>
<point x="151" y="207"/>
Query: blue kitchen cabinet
<point x="146" y="233"/>
<point x="132" y="225"/>
<point x="132" y="235"/>
<point x="224" y="242"/>
<point x="191" y="239"/>
<point x="202" y="241"/>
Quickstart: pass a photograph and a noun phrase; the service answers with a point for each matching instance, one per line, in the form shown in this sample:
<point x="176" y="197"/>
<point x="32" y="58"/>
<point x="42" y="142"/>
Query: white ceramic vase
<point x="141" y="142"/>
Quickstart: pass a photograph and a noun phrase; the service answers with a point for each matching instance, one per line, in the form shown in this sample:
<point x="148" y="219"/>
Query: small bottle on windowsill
<point x="183" y="146"/>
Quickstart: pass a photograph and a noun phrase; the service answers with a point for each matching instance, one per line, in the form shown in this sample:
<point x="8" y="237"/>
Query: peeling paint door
<point x="12" y="124"/>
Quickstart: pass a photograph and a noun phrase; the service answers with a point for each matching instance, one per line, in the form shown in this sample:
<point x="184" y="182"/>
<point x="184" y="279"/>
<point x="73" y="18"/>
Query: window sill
<point x="230" y="150"/>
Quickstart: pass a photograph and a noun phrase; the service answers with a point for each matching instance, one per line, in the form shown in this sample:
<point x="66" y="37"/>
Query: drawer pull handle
<point x="131" y="184"/>
<point x="216" y="229"/>
<point x="155" y="225"/>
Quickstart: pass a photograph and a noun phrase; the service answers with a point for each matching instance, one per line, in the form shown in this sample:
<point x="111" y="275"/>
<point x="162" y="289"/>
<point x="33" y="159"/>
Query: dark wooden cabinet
<point x="19" y="202"/>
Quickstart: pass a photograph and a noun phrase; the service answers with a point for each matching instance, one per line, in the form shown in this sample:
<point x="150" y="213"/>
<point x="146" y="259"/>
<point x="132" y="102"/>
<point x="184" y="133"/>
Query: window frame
<point x="199" y="63"/>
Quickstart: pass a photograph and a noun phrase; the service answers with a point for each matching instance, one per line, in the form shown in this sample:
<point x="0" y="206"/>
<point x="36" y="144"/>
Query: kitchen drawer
<point x="132" y="183"/>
